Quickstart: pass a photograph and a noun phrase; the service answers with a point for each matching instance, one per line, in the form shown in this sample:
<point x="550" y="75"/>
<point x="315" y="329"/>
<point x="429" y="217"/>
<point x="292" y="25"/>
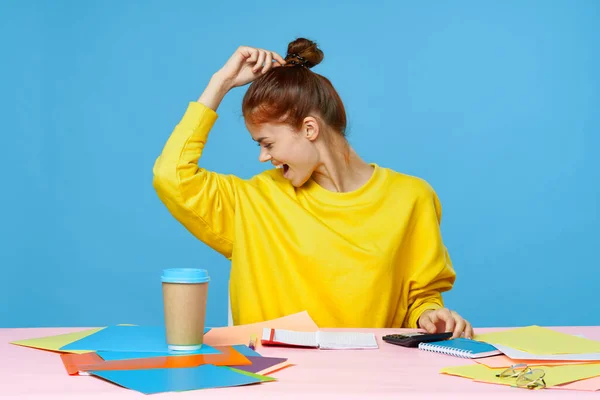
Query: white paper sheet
<point x="308" y="339"/>
<point x="523" y="355"/>
<point x="346" y="340"/>
<point x="322" y="339"/>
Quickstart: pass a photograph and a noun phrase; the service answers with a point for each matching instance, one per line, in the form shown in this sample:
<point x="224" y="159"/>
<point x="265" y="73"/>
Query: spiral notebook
<point x="461" y="347"/>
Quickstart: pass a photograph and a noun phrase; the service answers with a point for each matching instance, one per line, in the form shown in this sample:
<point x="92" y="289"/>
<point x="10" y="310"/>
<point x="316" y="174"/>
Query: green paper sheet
<point x="262" y="378"/>
<point x="54" y="343"/>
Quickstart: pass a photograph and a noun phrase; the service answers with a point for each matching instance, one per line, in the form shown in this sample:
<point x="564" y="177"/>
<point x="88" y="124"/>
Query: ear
<point x="310" y="128"/>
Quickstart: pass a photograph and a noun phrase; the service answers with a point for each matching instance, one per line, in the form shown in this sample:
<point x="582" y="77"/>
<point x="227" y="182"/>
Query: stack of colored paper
<point x="568" y="361"/>
<point x="137" y="357"/>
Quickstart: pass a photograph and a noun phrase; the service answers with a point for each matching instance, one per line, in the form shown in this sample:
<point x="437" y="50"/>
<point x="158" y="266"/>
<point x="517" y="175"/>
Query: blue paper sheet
<point x="151" y="381"/>
<point x="245" y="350"/>
<point x="147" y="339"/>
<point x="128" y="355"/>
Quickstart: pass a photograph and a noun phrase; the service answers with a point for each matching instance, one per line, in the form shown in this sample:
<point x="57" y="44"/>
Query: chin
<point x="296" y="179"/>
<point x="299" y="182"/>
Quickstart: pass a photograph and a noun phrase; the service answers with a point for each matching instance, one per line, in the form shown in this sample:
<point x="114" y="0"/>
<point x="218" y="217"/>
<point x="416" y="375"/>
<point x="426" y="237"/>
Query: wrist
<point x="216" y="89"/>
<point x="220" y="83"/>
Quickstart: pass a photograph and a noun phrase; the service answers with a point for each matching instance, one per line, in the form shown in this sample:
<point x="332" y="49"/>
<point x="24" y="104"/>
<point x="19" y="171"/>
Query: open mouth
<point x="285" y="168"/>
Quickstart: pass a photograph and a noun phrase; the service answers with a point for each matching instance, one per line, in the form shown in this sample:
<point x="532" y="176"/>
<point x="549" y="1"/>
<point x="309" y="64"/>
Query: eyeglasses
<point x="525" y="376"/>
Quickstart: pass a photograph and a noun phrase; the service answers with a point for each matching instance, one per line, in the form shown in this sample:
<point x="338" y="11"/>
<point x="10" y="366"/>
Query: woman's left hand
<point x="445" y="320"/>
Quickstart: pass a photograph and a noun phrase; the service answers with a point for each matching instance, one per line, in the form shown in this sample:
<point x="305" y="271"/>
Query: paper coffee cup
<point x="185" y="291"/>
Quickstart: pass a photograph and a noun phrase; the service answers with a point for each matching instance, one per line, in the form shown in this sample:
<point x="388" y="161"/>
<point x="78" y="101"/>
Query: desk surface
<point x="389" y="372"/>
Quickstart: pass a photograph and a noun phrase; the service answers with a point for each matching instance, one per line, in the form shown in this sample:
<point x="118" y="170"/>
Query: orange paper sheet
<point x="590" y="385"/>
<point x="75" y="363"/>
<point x="241" y="334"/>
<point x="505" y="362"/>
<point x="275" y="368"/>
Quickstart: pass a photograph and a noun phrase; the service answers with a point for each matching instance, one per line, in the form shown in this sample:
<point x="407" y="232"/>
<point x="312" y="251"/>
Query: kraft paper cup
<point x="185" y="291"/>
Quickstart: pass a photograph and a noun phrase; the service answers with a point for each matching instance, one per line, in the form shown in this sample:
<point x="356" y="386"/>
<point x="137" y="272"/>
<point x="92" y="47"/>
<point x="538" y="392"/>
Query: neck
<point x="340" y="168"/>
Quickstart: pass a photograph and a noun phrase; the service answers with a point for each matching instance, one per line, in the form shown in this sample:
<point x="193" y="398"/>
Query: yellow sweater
<point x="373" y="257"/>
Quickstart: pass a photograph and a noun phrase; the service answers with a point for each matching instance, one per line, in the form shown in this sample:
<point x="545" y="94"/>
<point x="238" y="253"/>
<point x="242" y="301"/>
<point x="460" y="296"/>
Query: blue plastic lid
<point x="185" y="275"/>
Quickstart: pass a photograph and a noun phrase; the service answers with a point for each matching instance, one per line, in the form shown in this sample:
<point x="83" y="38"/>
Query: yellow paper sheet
<point x="504" y="362"/>
<point x="54" y="343"/>
<point x="537" y="340"/>
<point x="556" y="375"/>
<point x="241" y="334"/>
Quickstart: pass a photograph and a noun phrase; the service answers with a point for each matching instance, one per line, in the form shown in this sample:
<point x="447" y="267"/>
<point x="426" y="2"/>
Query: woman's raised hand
<point x="247" y="64"/>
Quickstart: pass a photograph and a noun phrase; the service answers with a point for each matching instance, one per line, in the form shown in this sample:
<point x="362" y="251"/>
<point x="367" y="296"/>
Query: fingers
<point x="469" y="331"/>
<point x="253" y="55"/>
<point x="444" y="320"/>
<point x="278" y="58"/>
<point x="445" y="315"/>
<point x="460" y="326"/>
<point x="273" y="60"/>
<point x="262" y="60"/>
<point x="433" y="317"/>
<point x="259" y="63"/>
<point x="427" y="323"/>
<point x="268" y="62"/>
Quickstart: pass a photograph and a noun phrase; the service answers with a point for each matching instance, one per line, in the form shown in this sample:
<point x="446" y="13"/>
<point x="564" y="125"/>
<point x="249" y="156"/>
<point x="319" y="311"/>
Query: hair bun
<point x="304" y="52"/>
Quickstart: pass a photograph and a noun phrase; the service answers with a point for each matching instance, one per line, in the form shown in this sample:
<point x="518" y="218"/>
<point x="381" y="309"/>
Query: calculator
<point x="412" y="339"/>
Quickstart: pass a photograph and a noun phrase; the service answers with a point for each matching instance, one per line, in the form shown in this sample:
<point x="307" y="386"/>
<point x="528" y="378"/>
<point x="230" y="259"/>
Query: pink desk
<point x="392" y="372"/>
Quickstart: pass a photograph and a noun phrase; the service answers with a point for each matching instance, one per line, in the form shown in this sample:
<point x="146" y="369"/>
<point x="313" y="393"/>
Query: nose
<point x="264" y="155"/>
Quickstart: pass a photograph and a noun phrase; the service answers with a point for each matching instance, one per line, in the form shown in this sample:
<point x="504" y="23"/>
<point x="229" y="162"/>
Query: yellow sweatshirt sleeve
<point x="430" y="268"/>
<point x="201" y="200"/>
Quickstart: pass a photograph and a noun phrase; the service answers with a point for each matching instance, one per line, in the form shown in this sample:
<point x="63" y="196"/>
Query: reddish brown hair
<point x="289" y="94"/>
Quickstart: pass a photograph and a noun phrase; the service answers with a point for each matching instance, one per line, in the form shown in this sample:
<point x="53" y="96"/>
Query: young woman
<point x="353" y="243"/>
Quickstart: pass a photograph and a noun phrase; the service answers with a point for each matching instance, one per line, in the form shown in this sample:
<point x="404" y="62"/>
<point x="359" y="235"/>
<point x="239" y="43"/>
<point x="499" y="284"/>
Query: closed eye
<point x="266" y="145"/>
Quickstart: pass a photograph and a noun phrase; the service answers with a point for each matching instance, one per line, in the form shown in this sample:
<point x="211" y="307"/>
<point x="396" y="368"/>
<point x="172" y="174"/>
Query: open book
<point x="319" y="339"/>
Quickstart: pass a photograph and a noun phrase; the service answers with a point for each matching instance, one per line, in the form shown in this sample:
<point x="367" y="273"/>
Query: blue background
<point x="496" y="104"/>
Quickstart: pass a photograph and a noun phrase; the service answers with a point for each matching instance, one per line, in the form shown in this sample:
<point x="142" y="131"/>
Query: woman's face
<point x="293" y="151"/>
